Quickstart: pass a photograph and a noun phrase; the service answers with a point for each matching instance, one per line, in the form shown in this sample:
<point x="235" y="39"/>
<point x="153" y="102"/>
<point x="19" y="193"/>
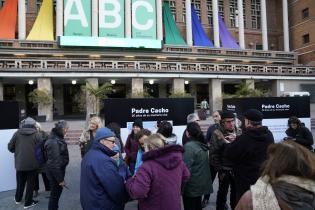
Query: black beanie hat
<point x="227" y="114"/>
<point x="253" y="115"/>
<point x="294" y="119"/>
<point x="138" y="122"/>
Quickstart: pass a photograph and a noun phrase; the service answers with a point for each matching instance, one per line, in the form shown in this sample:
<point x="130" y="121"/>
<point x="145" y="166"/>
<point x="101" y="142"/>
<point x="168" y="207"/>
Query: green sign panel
<point x="111" y="18"/>
<point x="77" y="17"/>
<point x="144" y="19"/>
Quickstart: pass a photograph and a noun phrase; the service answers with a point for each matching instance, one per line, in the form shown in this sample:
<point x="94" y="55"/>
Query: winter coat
<point x="101" y="187"/>
<point x="57" y="155"/>
<point x="185" y="139"/>
<point x="288" y="195"/>
<point x="157" y="184"/>
<point x="197" y="161"/>
<point x="86" y="141"/>
<point x="216" y="151"/>
<point x="44" y="137"/>
<point x="131" y="149"/>
<point x="123" y="169"/>
<point x="22" y="144"/>
<point x="302" y="135"/>
<point x="247" y="153"/>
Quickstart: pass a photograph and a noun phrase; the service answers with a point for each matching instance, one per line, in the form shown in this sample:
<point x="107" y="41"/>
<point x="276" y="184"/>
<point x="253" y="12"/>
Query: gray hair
<point x="38" y="126"/>
<point x="193" y="117"/>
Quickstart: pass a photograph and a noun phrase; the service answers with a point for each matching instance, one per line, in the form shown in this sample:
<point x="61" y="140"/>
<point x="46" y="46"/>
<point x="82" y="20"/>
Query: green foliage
<point x="40" y="97"/>
<point x="142" y="94"/>
<point x="180" y="95"/>
<point x="244" y="90"/>
<point x="99" y="92"/>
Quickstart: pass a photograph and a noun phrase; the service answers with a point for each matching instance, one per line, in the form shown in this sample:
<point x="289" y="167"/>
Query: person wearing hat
<point x="57" y="161"/>
<point x="248" y="151"/>
<point x="299" y="133"/>
<point x="101" y="186"/>
<point x="132" y="145"/>
<point x="22" y="144"/>
<point x="222" y="136"/>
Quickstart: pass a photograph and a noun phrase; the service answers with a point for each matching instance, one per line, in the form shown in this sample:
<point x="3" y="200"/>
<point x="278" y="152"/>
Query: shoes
<point x="34" y="203"/>
<point x="35" y="194"/>
<point x="17" y="202"/>
<point x="204" y="203"/>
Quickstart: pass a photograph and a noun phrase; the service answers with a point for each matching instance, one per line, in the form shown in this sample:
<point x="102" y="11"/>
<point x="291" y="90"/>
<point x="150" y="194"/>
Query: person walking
<point x="197" y="161"/>
<point x="86" y="139"/>
<point x="287" y="180"/>
<point x="57" y="161"/>
<point x="23" y="144"/>
<point x="248" y="152"/>
<point x="204" y="106"/>
<point x="158" y="182"/>
<point x="101" y="186"/>
<point x="132" y="146"/>
<point x="299" y="133"/>
<point x="223" y="135"/>
<point x="216" y="115"/>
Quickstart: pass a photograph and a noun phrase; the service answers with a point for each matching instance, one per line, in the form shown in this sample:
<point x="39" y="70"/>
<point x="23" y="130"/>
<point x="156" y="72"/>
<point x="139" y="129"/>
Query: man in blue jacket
<point x="101" y="185"/>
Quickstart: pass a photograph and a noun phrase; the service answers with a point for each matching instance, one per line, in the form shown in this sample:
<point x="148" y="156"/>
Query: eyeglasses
<point x="112" y="141"/>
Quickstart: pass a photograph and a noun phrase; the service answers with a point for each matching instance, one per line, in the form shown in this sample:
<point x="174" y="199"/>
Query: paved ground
<point x="70" y="199"/>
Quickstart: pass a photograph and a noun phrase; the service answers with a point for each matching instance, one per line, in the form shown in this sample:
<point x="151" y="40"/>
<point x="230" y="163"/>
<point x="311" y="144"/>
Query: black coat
<point x="22" y="144"/>
<point x="247" y="153"/>
<point x="57" y="155"/>
<point x="302" y="135"/>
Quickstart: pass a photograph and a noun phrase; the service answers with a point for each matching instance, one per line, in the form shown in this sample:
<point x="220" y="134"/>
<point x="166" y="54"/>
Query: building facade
<point x="273" y="54"/>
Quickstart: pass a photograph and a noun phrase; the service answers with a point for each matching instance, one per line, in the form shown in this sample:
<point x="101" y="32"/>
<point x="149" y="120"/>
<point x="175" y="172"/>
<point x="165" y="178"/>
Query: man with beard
<point x="248" y="151"/>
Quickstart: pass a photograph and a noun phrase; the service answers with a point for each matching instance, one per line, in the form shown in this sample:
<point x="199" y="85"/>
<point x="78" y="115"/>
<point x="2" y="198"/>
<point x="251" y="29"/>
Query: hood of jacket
<point x="27" y="131"/>
<point x="260" y="134"/>
<point x="169" y="156"/>
<point x="171" y="140"/>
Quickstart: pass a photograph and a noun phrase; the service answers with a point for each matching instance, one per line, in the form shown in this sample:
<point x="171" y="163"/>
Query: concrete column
<point x="95" y="18"/>
<point x="215" y="94"/>
<point x="285" y="26"/>
<point x="137" y="88"/>
<point x="1" y="91"/>
<point x="59" y="101"/>
<point x="264" y="24"/>
<point x="20" y="96"/>
<point x="251" y="82"/>
<point x="162" y="91"/>
<point x="59" y="18"/>
<point x="92" y="103"/>
<point x="47" y="110"/>
<point x="241" y="24"/>
<point x="189" y="38"/>
<point x="21" y="19"/>
<point x="159" y="19"/>
<point x="277" y="88"/>
<point x="128" y="18"/>
<point x="215" y="12"/>
<point x="193" y="92"/>
<point x="178" y="86"/>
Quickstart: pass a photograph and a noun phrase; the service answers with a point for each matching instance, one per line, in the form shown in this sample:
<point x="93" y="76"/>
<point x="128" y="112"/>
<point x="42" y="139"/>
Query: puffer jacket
<point x="57" y="155"/>
<point x="302" y="135"/>
<point x="22" y="144"/>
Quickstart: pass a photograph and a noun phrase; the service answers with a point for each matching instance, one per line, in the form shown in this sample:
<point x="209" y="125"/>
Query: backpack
<point x="40" y="152"/>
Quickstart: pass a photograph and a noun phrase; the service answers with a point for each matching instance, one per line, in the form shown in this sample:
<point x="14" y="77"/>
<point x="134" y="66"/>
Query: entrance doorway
<point x="71" y="106"/>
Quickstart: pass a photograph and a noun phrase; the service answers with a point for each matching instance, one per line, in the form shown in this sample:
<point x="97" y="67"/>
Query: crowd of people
<point x="159" y="173"/>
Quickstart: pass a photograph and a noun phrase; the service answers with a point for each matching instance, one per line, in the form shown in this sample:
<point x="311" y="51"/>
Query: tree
<point x="40" y="97"/>
<point x="243" y="90"/>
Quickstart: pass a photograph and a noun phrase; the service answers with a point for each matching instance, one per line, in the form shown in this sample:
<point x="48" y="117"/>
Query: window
<point x="184" y="11"/>
<point x="234" y="13"/>
<point x="305" y="13"/>
<point x="173" y="8"/>
<point x="197" y="7"/>
<point x="1" y="3"/>
<point x="209" y="14"/>
<point x="255" y="14"/>
<point x="221" y="9"/>
<point x="306" y="38"/>
<point x="259" y="46"/>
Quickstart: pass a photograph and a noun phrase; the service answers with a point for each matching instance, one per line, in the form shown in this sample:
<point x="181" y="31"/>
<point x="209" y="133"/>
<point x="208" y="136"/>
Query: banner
<point x="148" y="109"/>
<point x="111" y="18"/>
<point x="276" y="111"/>
<point x="144" y="19"/>
<point x="77" y="17"/>
<point x="9" y="123"/>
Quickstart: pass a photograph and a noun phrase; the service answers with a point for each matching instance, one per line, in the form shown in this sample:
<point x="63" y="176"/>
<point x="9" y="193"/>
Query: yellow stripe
<point x="43" y="28"/>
